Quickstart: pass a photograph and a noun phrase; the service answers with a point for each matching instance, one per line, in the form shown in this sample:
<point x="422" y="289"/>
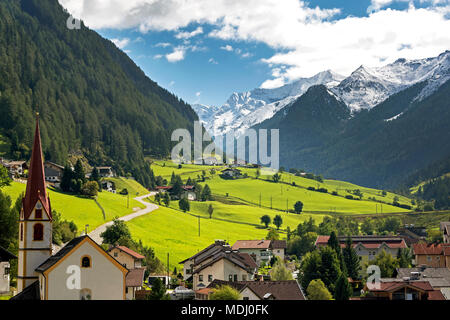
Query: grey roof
<point x="60" y="254"/>
<point x="211" y="249"/>
<point x="277" y="290"/>
<point x="242" y="260"/>
<point x="5" y="255"/>
<point x="437" y="277"/>
<point x="29" y="293"/>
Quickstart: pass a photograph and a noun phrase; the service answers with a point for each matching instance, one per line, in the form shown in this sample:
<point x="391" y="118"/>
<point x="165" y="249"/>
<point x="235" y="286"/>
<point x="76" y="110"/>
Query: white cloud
<point x="212" y="61"/>
<point x="246" y="55"/>
<point x="177" y="54"/>
<point x="171" y="83"/>
<point x="306" y="41"/>
<point x="121" y="43"/>
<point x="163" y="44"/>
<point x="157" y="56"/>
<point x="188" y="35"/>
<point x="198" y="94"/>
<point x="227" y="48"/>
<point x="378" y="4"/>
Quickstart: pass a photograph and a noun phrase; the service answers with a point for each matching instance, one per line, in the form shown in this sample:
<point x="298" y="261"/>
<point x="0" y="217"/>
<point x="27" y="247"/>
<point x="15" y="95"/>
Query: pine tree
<point x="352" y="261"/>
<point x="343" y="289"/>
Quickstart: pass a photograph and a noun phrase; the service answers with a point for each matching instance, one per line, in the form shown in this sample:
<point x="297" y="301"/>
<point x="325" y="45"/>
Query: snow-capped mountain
<point x="363" y="89"/>
<point x="244" y="110"/>
<point x="366" y="87"/>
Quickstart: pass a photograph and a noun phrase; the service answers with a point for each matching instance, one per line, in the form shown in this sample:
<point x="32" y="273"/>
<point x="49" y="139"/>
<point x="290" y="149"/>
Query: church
<point x="81" y="270"/>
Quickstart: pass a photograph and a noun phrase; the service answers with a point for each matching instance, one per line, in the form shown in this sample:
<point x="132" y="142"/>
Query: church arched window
<point x="86" y="262"/>
<point x="21" y="232"/>
<point x="38" y="232"/>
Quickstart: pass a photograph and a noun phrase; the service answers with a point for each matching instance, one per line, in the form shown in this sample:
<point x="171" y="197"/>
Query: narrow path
<point x="149" y="207"/>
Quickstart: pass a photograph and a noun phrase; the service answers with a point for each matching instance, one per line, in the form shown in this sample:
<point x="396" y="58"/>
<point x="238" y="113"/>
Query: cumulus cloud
<point x="188" y="35"/>
<point x="121" y="43"/>
<point x="227" y="48"/>
<point x="177" y="54"/>
<point x="306" y="39"/>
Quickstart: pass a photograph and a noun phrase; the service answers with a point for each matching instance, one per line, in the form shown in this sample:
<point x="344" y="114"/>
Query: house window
<point x="38" y="213"/>
<point x="244" y="277"/>
<point x="245" y="298"/>
<point x="230" y="277"/>
<point x="200" y="277"/>
<point x="429" y="258"/>
<point x="38" y="232"/>
<point x="7" y="270"/>
<point x="116" y="254"/>
<point x="235" y="278"/>
<point x="85" y="294"/>
<point x="210" y="278"/>
<point x="86" y="262"/>
<point x="126" y="290"/>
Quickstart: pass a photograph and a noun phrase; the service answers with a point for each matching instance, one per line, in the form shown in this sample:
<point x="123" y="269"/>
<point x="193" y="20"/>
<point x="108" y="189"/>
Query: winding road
<point x="149" y="207"/>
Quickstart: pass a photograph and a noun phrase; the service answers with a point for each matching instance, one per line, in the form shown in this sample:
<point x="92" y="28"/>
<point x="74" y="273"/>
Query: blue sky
<point x="204" y="51"/>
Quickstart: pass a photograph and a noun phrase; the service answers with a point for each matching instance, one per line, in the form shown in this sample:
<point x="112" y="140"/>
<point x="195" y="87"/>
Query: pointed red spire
<point x="36" y="178"/>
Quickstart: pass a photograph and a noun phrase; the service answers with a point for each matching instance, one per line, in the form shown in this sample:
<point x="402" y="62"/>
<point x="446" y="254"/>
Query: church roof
<point x="36" y="179"/>
<point x="60" y="254"/>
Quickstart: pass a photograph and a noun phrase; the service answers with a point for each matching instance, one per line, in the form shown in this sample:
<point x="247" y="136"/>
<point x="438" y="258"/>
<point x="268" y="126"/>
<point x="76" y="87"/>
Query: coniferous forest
<point x="91" y="97"/>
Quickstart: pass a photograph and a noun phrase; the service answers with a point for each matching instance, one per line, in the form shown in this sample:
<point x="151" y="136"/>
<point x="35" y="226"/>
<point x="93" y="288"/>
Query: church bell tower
<point x="35" y="221"/>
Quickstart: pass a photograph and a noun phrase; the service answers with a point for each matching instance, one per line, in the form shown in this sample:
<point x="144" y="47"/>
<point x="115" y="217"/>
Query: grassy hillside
<point x="164" y="168"/>
<point x="80" y="210"/>
<point x="281" y="196"/>
<point x="246" y="214"/>
<point x="167" y="230"/>
<point x="133" y="187"/>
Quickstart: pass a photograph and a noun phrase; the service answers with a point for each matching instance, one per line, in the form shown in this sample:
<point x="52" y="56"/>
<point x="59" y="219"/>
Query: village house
<point x="258" y="290"/>
<point x="403" y="289"/>
<point x="109" y="186"/>
<point x="231" y="173"/>
<point x="439" y="278"/>
<point x="218" y="261"/>
<point x="211" y="161"/>
<point x="368" y="247"/>
<point x="412" y="234"/>
<point x="445" y="229"/>
<point x="44" y="275"/>
<point x="105" y="172"/>
<point x="188" y="192"/>
<point x="15" y="168"/>
<point x="436" y="256"/>
<point x="261" y="250"/>
<point x="53" y="172"/>
<point x="5" y="267"/>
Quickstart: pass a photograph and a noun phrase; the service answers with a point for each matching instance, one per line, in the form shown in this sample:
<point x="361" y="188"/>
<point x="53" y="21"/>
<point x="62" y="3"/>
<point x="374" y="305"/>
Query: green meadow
<point x="170" y="231"/>
<point x="283" y="196"/>
<point x="247" y="214"/>
<point x="165" y="168"/>
<point x="81" y="210"/>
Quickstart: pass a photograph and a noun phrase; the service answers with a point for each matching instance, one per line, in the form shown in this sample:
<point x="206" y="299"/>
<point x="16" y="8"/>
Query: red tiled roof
<point x="369" y="242"/>
<point x="36" y="189"/>
<point x="391" y="286"/>
<point x="251" y="244"/>
<point x="423" y="248"/>
<point x="130" y="252"/>
<point x="279" y="244"/>
<point x="436" y="295"/>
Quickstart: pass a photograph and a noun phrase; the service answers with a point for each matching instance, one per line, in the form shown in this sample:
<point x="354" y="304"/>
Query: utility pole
<point x="287" y="205"/>
<point x="128" y="201"/>
<point x="86" y="229"/>
<point x="199" y="226"/>
<point x="260" y="199"/>
<point x="168" y="271"/>
<point x="270" y="202"/>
